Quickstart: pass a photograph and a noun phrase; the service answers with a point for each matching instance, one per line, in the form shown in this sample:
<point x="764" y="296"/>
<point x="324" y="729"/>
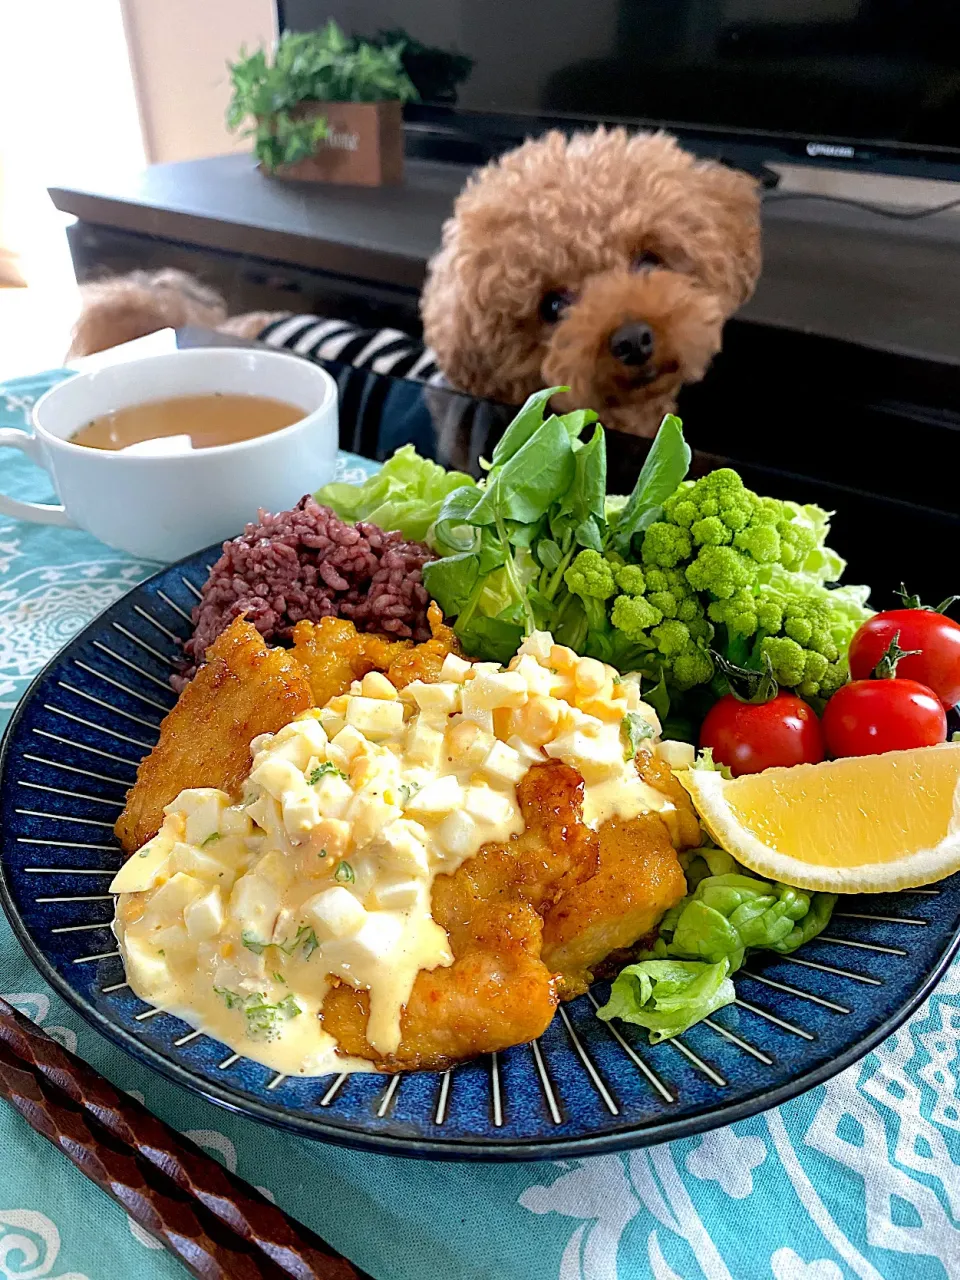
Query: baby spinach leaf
<point x="587" y="494"/>
<point x="575" y="422"/>
<point x="451" y="580"/>
<point x="665" y="467"/>
<point x="527" y="421"/>
<point x="659" y="698"/>
<point x="494" y="638"/>
<point x="588" y="535"/>
<point x="533" y="478"/>
<point x="524" y="535"/>
<point x="493" y="553"/>
<point x="548" y="553"/>
<point x="451" y="530"/>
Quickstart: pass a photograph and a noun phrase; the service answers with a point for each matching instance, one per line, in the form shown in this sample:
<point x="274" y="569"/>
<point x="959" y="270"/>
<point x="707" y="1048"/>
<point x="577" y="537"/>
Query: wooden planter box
<point x="363" y="146"/>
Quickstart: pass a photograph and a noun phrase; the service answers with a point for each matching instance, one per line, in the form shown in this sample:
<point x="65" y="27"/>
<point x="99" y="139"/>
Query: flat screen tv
<point x="859" y="83"/>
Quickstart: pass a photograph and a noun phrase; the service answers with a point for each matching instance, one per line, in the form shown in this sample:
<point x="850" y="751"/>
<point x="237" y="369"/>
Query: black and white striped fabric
<point x="385" y="351"/>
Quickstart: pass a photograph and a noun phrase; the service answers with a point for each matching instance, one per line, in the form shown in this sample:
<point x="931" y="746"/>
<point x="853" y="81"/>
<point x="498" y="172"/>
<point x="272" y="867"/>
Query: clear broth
<point x="208" y="421"/>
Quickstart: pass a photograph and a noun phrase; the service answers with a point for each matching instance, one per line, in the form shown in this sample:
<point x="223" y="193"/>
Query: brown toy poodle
<point x="606" y="262"/>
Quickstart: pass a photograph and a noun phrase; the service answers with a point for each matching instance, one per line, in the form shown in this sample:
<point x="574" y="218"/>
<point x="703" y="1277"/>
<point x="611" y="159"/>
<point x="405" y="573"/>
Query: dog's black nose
<point x="632" y="344"/>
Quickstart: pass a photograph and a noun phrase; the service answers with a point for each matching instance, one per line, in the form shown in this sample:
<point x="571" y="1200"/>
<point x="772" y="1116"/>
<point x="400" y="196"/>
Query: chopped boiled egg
<point x="539" y="680"/>
<point x="254" y="904"/>
<point x="277" y="776"/>
<point x="457" y="834"/>
<point x="467" y="744"/>
<point x="489" y="690"/>
<point x="437" y="797"/>
<point x="375" y="718"/>
<point x="503" y="764"/>
<point x="397" y="895"/>
<point x="147" y="970"/>
<point x="348" y="743"/>
<point x="529" y="755"/>
<point x="335" y="913"/>
<point x="678" y="755"/>
<point x="167" y="903"/>
<point x="424" y="744"/>
<point x="368" y="813"/>
<point x="377" y="937"/>
<point x="443" y="698"/>
<point x="376" y="685"/>
<point x="596" y="756"/>
<point x="203" y="916"/>
<point x="215" y="860"/>
<point x="454" y="669"/>
<point x="489" y="805"/>
<point x="142" y="870"/>
<point x="332" y="792"/>
<point x="539" y="645"/>
<point x="203" y="808"/>
<point x="403" y="845"/>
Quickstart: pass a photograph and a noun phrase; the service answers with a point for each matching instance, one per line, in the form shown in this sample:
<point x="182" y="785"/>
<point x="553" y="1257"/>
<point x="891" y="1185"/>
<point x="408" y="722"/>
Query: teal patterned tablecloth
<point x="858" y="1178"/>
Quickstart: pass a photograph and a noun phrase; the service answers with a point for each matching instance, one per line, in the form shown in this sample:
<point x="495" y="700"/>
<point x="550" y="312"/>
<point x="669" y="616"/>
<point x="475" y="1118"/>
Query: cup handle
<point x="37" y="512"/>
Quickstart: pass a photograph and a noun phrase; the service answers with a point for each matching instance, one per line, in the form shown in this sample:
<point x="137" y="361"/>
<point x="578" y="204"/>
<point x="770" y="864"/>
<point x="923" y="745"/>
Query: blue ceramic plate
<point x="72" y="750"/>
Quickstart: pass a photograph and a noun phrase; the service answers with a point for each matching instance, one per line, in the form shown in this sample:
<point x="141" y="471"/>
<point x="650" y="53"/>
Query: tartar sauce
<point x="237" y="917"/>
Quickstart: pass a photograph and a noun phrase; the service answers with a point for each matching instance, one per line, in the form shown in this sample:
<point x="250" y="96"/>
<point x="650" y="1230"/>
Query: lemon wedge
<point x="866" y="824"/>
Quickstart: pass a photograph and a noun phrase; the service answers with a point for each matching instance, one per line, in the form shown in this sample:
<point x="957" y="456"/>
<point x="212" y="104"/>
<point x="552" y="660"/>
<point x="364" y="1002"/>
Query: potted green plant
<point x="327" y="108"/>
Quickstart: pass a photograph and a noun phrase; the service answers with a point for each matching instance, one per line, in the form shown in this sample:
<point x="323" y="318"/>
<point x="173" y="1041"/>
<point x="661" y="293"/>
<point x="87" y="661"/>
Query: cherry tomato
<point x="750" y="736"/>
<point x="868" y="717"/>
<point x="937" y="665"/>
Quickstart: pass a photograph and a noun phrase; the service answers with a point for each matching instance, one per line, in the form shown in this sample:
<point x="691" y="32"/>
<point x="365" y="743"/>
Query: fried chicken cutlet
<point x="333" y="653"/>
<point x="528" y="919"/>
<point x="243" y="689"/>
<point x="525" y="920"/>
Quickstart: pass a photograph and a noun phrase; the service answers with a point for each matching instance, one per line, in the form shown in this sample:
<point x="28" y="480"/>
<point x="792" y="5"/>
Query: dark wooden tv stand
<point x="851" y="345"/>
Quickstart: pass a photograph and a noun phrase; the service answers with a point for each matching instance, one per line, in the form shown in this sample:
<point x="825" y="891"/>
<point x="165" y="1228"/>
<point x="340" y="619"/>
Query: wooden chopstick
<point x="219" y="1227"/>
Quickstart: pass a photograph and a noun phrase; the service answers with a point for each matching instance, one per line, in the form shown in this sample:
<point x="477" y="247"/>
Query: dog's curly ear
<point x="470" y="309"/>
<point x="726" y="230"/>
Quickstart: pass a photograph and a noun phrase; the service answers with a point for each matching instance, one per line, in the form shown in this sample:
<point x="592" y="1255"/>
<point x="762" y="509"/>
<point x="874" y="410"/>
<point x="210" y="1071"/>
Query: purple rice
<point x="308" y="564"/>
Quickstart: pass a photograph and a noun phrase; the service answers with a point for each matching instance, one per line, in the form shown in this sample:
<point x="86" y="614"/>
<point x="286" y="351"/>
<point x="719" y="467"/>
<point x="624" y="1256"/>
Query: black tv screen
<point x="835" y="80"/>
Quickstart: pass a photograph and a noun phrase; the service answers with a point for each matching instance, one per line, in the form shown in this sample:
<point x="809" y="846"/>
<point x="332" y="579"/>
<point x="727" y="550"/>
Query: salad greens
<point x="702" y="941"/>
<point x="507" y="547"/>
<point x="650" y="582"/>
<point x="668" y="996"/>
<point x="405" y="494"/>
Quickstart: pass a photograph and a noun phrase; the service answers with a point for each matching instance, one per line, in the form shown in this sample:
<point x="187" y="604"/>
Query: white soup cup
<point x="165" y="507"/>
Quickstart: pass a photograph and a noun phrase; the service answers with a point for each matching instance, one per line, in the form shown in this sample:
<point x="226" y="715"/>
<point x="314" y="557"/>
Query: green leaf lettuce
<point x="406" y="494"/>
<point x="707" y="934"/>
<point x="667" y="996"/>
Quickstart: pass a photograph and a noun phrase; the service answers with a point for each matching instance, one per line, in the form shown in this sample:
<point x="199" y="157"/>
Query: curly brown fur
<point x="121" y="308"/>
<point x="575" y="215"/>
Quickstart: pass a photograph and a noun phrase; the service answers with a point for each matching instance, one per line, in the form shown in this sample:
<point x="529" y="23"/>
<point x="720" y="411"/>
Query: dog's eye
<point x="553" y="305"/>
<point x="647" y="260"/>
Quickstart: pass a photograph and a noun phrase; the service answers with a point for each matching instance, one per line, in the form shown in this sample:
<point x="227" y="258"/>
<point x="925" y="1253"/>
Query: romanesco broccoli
<point x="723" y="569"/>
<point x="591" y="576"/>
